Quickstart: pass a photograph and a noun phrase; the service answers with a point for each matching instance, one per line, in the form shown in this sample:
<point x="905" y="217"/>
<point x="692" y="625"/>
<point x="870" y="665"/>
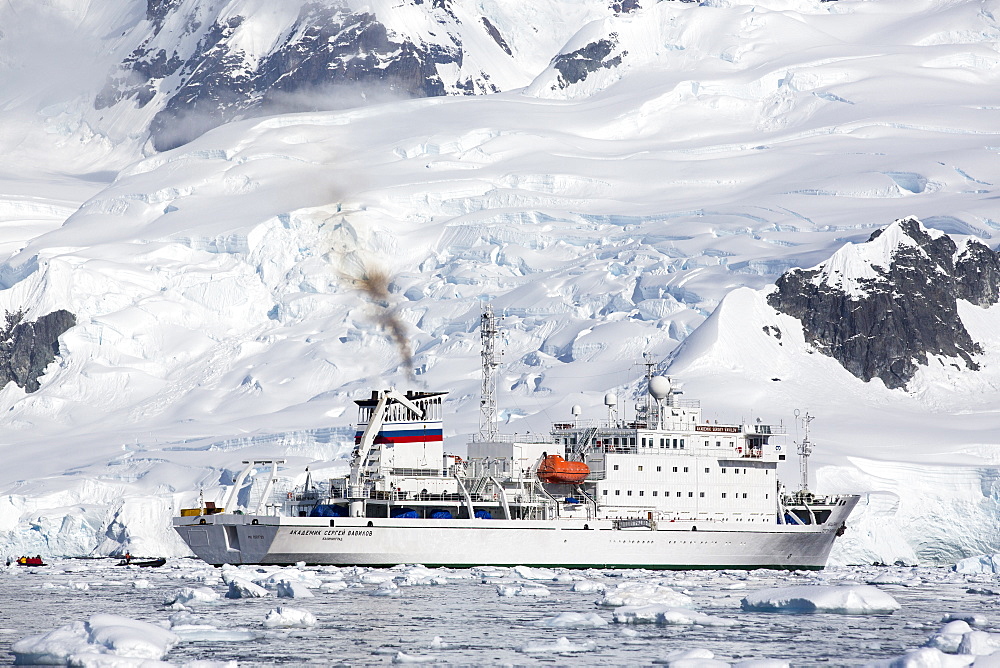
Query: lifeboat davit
<point x="555" y="469"/>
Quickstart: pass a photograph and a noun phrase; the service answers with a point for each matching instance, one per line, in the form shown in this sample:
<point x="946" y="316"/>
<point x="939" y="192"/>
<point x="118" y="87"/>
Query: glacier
<point x="219" y="286"/>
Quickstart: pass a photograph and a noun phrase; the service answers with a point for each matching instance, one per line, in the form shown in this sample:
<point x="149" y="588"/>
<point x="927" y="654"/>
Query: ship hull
<point x="248" y="539"/>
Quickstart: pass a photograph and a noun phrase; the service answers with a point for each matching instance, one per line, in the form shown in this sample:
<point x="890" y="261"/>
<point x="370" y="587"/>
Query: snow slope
<point x="221" y="311"/>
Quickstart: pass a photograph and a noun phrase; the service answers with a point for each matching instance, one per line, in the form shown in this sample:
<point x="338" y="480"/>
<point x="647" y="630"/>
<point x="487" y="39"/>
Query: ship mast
<point x="489" y="331"/>
<point x="805" y="449"/>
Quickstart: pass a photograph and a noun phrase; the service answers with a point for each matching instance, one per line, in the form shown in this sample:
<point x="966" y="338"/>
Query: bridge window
<point x="654" y="492"/>
<point x="701" y="494"/>
<point x="682" y="444"/>
<point x="675" y="442"/>
<point x="718" y="444"/>
<point x="640" y="468"/>
<point x="604" y="492"/>
<point x="662" y="443"/>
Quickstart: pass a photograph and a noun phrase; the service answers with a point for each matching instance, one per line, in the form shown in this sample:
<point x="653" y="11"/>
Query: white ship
<point x="664" y="490"/>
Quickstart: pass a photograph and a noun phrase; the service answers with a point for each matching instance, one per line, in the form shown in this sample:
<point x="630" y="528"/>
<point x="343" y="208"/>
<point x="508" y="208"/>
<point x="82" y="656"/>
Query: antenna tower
<point x="805" y="449"/>
<point x="489" y="331"/>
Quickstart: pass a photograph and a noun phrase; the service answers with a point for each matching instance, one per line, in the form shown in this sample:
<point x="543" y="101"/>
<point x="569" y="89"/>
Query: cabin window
<point x="675" y="469"/>
<point x="629" y="492"/>
<point x="675" y="443"/>
<point x="631" y="441"/>
<point x="723" y="470"/>
<point x="604" y="492"/>
<point x="685" y="469"/>
<point x="766" y="495"/>
<point x="640" y="468"/>
<point x="690" y="494"/>
<point x="678" y="493"/>
<point x="682" y="444"/>
<point x="614" y="441"/>
<point x="706" y="444"/>
<point x="723" y="495"/>
<point x="618" y="492"/>
<point x="662" y="443"/>
<point x="644" y="442"/>
<point x="706" y="470"/>
<point x="616" y="467"/>
<point x="641" y="493"/>
<point x="659" y="468"/>
<point x="654" y="492"/>
<point x="718" y="444"/>
<point x="701" y="495"/>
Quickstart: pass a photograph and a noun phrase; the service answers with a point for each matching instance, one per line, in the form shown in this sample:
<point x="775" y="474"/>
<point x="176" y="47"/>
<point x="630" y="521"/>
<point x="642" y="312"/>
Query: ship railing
<point x="528" y="437"/>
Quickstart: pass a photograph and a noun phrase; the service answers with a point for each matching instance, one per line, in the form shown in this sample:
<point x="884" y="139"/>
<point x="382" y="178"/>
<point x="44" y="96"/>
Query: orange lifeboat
<point x="555" y="469"/>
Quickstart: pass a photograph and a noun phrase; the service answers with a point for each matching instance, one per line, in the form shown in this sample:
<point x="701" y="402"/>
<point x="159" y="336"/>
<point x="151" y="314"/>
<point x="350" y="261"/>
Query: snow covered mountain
<point x="232" y="295"/>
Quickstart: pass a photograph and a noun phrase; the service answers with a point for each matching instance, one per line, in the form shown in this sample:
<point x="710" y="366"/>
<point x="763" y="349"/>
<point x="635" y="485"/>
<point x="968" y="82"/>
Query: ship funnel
<point x="659" y="387"/>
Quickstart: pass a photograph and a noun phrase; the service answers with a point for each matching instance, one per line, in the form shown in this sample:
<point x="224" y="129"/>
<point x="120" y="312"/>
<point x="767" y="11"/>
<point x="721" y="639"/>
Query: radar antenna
<point x="805" y="449"/>
<point x="489" y="331"/>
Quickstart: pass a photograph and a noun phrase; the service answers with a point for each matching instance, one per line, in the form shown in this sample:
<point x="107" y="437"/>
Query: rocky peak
<point x="882" y="307"/>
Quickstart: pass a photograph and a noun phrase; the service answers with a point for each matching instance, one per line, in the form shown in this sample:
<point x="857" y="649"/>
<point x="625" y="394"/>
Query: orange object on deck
<point x="555" y="469"/>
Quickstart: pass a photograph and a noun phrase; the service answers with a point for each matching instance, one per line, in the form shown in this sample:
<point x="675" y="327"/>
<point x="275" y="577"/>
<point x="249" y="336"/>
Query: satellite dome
<point x="610" y="399"/>
<point x="659" y="387"/>
<point x="576" y="410"/>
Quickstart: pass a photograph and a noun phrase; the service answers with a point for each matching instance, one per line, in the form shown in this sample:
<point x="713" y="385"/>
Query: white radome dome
<point x="610" y="399"/>
<point x="659" y="387"/>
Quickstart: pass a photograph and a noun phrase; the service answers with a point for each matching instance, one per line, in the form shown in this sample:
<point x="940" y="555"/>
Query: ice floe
<point x="190" y="595"/>
<point x="644" y="593"/>
<point x="85" y="642"/>
<point x="655" y="613"/>
<point x="841" y="599"/>
<point x="239" y="588"/>
<point x="572" y="620"/>
<point x="283" y="617"/>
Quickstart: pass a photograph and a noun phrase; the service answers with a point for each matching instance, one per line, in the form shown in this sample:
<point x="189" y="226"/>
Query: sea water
<point x="486" y="616"/>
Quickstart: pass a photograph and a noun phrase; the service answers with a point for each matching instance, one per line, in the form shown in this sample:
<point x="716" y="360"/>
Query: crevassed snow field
<point x="187" y="612"/>
<point x="215" y="285"/>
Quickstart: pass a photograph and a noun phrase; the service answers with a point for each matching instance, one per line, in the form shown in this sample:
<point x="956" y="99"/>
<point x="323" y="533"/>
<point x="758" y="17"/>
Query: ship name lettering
<point x="305" y="532"/>
<point x="725" y="430"/>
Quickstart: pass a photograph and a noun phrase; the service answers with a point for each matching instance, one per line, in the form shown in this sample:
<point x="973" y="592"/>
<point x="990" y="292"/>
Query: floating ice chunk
<point x="530" y="573"/>
<point x="973" y="618"/>
<point x="762" y="663"/>
<point x="841" y="599"/>
<point x="987" y="563"/>
<point x="402" y="657"/>
<point x="191" y="595"/>
<point x="289" y="618"/>
<point x="667" y="615"/>
<point x="949" y="637"/>
<point x="289" y="589"/>
<point x="239" y="588"/>
<point x="83" y="643"/>
<point x="375" y="578"/>
<point x="387" y="589"/>
<point x="438" y="643"/>
<point x="335" y="585"/>
<point x="644" y="593"/>
<point x="559" y="646"/>
<point x="589" y="586"/>
<point x="572" y="620"/>
<point x="140" y="584"/>
<point x="926" y="657"/>
<point x="979" y="643"/>
<point x="507" y="591"/>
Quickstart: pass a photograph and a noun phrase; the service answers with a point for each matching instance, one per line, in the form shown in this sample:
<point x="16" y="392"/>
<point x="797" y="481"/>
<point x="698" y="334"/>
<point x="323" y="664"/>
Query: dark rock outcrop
<point x="576" y="66"/>
<point x="331" y="57"/>
<point x="26" y="348"/>
<point x="888" y="322"/>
